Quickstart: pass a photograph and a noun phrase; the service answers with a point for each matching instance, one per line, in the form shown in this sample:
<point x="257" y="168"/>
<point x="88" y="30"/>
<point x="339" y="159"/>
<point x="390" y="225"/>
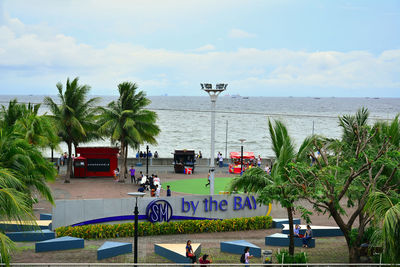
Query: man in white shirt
<point x="158" y="190"/>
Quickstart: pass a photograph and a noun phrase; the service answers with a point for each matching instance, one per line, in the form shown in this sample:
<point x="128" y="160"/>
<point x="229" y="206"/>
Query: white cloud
<point x="238" y="33"/>
<point x="30" y="55"/>
<point x="207" y="47"/>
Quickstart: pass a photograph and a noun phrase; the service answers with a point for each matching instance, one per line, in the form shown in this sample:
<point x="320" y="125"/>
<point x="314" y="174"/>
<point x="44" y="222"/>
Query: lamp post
<point x="213" y="93"/>
<point x="241" y="156"/>
<point x="136" y="212"/>
<point x="147" y="161"/>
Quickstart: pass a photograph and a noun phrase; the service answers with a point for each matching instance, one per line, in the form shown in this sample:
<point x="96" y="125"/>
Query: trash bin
<point x="266" y="256"/>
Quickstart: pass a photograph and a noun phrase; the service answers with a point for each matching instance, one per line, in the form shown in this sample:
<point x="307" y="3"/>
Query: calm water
<point x="185" y="121"/>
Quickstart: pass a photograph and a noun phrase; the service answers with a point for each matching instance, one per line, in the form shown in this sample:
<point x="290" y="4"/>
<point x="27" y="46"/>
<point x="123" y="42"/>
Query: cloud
<point x="32" y="56"/>
<point x="207" y="47"/>
<point x="238" y="33"/>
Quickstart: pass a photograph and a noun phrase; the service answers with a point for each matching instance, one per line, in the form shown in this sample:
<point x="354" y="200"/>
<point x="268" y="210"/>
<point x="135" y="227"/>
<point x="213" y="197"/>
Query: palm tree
<point x="277" y="186"/>
<point x="23" y="172"/>
<point x="126" y="121"/>
<point x="73" y="117"/>
<point x="385" y="209"/>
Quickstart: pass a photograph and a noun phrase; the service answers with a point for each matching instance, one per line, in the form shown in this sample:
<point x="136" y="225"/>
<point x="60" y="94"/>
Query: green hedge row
<point x="99" y="231"/>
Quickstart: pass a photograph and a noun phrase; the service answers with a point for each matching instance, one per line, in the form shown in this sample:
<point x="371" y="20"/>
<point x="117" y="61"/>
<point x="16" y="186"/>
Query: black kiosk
<point x="184" y="159"/>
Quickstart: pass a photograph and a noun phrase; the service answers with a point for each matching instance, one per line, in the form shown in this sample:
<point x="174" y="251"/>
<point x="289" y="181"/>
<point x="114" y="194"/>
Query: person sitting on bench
<point x="297" y="231"/>
<point x="189" y="251"/>
<point x="308" y="235"/>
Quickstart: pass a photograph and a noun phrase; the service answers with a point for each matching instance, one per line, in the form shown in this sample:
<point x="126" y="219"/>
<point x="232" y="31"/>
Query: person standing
<point x="168" y="191"/>
<point x="221" y="161"/>
<point x="158" y="191"/>
<point x="156" y="154"/>
<point x="116" y="174"/>
<point x="259" y="161"/>
<point x="133" y="178"/>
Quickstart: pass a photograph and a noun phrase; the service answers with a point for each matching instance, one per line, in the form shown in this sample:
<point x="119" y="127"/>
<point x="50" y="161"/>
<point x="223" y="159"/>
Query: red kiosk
<point x="235" y="166"/>
<point x="95" y="161"/>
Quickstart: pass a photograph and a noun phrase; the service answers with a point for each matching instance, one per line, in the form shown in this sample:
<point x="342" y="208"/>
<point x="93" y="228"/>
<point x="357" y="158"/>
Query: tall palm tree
<point x="276" y="186"/>
<point x="385" y="209"/>
<point x="72" y="116"/>
<point x="127" y="121"/>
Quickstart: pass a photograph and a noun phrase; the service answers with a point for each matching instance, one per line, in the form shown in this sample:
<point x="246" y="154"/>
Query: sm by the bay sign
<point x="160" y="210"/>
<point x="194" y="207"/>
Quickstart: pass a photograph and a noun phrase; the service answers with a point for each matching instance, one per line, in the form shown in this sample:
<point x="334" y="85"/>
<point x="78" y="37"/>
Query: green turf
<point x="197" y="186"/>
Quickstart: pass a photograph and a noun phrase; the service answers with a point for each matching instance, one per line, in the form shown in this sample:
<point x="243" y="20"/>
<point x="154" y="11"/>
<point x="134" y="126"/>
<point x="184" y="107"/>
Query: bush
<point x="297" y="258"/>
<point x="99" y="231"/>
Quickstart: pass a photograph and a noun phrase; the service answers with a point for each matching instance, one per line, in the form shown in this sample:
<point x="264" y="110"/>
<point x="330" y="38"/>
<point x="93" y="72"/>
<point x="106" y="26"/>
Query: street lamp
<point x="241" y="156"/>
<point x="136" y="212"/>
<point x="213" y="93"/>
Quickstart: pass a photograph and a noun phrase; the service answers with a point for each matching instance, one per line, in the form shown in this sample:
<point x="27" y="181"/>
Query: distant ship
<point x="245" y="97"/>
<point x="235" y="96"/>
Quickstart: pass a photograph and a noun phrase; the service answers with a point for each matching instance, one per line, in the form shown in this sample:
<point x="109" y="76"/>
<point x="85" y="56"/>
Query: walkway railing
<point x="186" y="264"/>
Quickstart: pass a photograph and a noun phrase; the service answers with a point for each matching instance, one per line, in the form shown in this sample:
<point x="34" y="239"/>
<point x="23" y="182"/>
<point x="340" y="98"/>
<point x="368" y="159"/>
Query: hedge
<point x="99" y="231"/>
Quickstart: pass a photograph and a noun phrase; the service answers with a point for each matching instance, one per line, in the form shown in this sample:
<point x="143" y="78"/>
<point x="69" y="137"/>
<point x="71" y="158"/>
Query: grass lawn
<point x="197" y="186"/>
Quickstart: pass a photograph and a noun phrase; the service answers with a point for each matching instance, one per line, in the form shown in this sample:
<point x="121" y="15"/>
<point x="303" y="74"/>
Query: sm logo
<point x="158" y="211"/>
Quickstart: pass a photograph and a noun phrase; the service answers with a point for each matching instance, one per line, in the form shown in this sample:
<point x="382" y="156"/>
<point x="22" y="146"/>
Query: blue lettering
<point x="194" y="207"/>
<point x="163" y="212"/>
<point x="222" y="205"/>
<point x="212" y="202"/>
<point x="247" y="203"/>
<point x="237" y="203"/>
<point x="205" y="205"/>
<point x="154" y="214"/>
<point x="254" y="202"/>
<point x="185" y="205"/>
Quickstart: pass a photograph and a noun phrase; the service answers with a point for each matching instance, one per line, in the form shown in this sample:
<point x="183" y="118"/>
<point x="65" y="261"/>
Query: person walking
<point x="116" y="175"/>
<point x="158" y="190"/>
<point x="133" y="178"/>
<point x="247" y="256"/>
<point x="208" y="178"/>
<point x="259" y="161"/>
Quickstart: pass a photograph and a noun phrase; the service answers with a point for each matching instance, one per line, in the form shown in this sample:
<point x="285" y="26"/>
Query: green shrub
<point x="297" y="258"/>
<point x="99" y="231"/>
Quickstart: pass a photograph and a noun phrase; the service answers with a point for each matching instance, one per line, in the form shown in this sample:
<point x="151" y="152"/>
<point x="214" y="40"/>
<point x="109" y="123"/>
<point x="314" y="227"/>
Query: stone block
<point x="282" y="240"/>
<point x="61" y="243"/>
<point x="238" y="246"/>
<point x="176" y="252"/>
<point x="112" y="249"/>
<point x="31" y="236"/>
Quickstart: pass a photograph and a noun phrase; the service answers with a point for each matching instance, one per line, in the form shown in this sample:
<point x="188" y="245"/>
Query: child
<point x="168" y="191"/>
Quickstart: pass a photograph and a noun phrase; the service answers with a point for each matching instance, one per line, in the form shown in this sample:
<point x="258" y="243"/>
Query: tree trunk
<point x="126" y="159"/>
<point x="123" y="169"/>
<point x="69" y="162"/>
<point x="291" y="234"/>
<point x="354" y="254"/>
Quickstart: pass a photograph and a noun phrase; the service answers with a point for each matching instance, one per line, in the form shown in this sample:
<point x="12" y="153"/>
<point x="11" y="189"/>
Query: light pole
<point x="213" y="93"/>
<point x="241" y="156"/>
<point x="147" y="161"/>
<point x="136" y="212"/>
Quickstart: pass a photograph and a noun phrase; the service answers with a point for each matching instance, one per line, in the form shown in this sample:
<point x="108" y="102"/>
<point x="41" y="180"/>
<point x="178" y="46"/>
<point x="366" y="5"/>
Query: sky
<point x="259" y="47"/>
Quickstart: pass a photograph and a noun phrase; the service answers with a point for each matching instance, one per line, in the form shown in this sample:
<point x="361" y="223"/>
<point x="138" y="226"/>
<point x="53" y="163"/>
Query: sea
<point x="185" y="121"/>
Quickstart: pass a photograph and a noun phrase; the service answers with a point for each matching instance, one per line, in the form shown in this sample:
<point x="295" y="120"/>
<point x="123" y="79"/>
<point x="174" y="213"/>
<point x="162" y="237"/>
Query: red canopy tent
<point x="246" y="155"/>
<point x="235" y="167"/>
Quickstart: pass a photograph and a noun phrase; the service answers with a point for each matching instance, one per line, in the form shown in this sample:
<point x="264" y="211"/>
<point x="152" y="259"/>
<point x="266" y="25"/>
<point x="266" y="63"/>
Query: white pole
<point x="212" y="159"/>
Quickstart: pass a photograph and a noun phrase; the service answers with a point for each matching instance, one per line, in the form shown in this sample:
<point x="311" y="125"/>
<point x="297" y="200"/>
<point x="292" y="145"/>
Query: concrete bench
<point x="46" y="216"/>
<point x="282" y="240"/>
<point x="278" y="223"/>
<point x="318" y="231"/>
<point x="112" y="249"/>
<point x="61" y="243"/>
<point x="31" y="236"/>
<point x="238" y="246"/>
<point x="15" y="226"/>
<point x="176" y="252"/>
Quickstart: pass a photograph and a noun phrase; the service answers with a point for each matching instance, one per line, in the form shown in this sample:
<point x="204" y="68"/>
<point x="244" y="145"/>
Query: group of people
<point x="144" y="154"/>
<point x="307" y="234"/>
<point x="206" y="259"/>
